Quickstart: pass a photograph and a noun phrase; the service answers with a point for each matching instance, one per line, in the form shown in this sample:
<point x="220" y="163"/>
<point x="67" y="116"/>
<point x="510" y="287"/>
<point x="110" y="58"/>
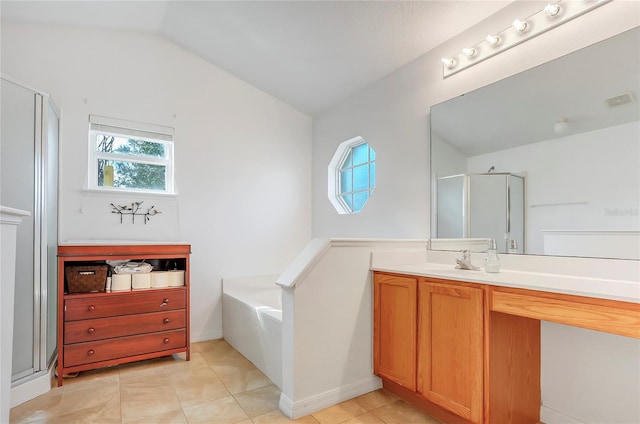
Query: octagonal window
<point x="352" y="175"/>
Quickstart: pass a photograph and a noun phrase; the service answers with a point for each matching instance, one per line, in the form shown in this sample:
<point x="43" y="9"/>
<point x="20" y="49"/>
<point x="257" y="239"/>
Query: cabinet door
<point x="450" y="347"/>
<point x="395" y="314"/>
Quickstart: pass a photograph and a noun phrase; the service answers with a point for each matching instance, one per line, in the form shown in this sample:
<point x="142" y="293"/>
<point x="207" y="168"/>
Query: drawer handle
<point x="91" y="308"/>
<point x="166" y="320"/>
<point x="166" y="341"/>
<point x="165" y="302"/>
<point x="91" y="330"/>
<point x="90" y="352"/>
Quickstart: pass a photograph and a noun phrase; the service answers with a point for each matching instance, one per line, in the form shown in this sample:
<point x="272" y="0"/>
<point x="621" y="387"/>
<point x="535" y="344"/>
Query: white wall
<point x="597" y="170"/>
<point x="242" y="157"/>
<point x="327" y="311"/>
<point x="393" y="114"/>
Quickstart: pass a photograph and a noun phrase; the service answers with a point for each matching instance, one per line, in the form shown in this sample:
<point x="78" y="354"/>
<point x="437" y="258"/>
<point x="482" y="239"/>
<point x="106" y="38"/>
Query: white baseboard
<point x="31" y="388"/>
<point x="203" y="337"/>
<point x="315" y="403"/>
<point x="551" y="416"/>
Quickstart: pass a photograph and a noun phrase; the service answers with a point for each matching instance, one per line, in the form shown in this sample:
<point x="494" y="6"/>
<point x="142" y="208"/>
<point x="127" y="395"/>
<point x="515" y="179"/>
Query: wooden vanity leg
<point x="514" y="370"/>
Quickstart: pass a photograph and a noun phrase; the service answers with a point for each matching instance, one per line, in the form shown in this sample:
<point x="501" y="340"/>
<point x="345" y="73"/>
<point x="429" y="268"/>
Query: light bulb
<point x="470" y="52"/>
<point x="448" y="62"/>
<point x="520" y="26"/>
<point x="552" y="9"/>
<point x="494" y="40"/>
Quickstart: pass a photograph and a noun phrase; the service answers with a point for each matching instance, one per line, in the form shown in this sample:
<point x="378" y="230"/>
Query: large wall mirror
<point x="546" y="162"/>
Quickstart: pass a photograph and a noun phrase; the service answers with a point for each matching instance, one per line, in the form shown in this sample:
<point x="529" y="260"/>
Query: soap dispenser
<point x="491" y="261"/>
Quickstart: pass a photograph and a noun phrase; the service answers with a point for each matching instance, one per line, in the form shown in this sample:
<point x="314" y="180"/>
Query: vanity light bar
<point x="554" y="14"/>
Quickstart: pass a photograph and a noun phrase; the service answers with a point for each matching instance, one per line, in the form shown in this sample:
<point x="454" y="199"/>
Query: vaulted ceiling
<point x="309" y="54"/>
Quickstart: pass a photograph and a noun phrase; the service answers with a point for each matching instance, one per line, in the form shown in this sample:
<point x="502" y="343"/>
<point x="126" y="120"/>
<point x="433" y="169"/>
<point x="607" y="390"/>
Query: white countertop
<point x="628" y="291"/>
<point x="117" y="242"/>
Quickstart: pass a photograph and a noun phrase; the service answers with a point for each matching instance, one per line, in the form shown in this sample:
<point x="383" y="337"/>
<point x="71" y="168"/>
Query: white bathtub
<point x="252" y="321"/>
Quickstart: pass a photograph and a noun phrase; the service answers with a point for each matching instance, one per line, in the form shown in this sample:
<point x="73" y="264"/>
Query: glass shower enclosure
<point x="482" y="206"/>
<point x="29" y="181"/>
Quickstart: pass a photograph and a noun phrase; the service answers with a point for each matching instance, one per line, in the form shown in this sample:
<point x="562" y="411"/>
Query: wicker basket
<point x="86" y="278"/>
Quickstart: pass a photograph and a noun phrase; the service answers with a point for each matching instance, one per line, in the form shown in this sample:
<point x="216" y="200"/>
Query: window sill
<point x="115" y="191"/>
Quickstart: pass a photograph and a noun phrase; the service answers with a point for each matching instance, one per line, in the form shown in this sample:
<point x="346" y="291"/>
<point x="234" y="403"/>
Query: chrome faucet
<point x="465" y="262"/>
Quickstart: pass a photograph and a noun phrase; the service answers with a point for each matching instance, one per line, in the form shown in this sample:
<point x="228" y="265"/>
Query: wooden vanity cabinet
<point x="428" y="339"/>
<point x="109" y="328"/>
<point x="395" y="327"/>
<point x="450" y="347"/>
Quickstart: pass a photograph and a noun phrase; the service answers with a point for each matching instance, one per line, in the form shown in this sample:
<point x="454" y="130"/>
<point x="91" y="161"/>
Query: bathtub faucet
<point x="465" y="261"/>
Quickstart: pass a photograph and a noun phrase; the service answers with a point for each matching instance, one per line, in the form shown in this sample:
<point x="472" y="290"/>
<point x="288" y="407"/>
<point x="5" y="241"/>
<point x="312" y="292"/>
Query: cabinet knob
<point x="91" y="330"/>
<point x="166" y="341"/>
<point x="165" y="302"/>
<point x="166" y="320"/>
<point x="91" y="308"/>
<point x="90" y="352"/>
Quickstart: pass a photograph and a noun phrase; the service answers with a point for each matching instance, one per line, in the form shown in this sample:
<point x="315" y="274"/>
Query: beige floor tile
<point x="221" y="354"/>
<point x="171" y="417"/>
<point x="367" y="418"/>
<point x="101" y="377"/>
<point x="43" y="408"/>
<point x="339" y="413"/>
<point x="400" y="412"/>
<point x="375" y="399"/>
<point x="93" y="405"/>
<point x="199" y="385"/>
<point x="179" y="365"/>
<point x="306" y="420"/>
<point x="277" y="417"/>
<point x="259" y="401"/>
<point x="147" y="395"/>
<point x="240" y="376"/>
<point x="220" y="411"/>
<point x="145" y="369"/>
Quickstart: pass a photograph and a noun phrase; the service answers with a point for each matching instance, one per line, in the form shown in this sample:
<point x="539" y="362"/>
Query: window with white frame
<point x="130" y="156"/>
<point x="352" y="175"/>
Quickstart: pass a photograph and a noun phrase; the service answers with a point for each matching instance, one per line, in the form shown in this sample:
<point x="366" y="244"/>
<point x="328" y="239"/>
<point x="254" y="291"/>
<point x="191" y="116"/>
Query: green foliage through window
<point x="130" y="156"/>
<point x="128" y="173"/>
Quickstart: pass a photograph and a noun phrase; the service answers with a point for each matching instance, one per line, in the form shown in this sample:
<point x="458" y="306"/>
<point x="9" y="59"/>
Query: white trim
<point x="130" y="192"/>
<point x="313" y="253"/>
<point x="312" y="404"/>
<point x="333" y="174"/>
<point x="122" y="128"/>
<point x="98" y="121"/>
<point x="31" y="388"/>
<point x="551" y="416"/>
<point x="204" y="336"/>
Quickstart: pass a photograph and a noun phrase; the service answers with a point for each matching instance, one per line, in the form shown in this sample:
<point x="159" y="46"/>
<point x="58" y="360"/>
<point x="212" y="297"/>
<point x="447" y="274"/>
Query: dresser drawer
<point x="125" y="325"/>
<point x="122" y="347"/>
<point x="110" y="305"/>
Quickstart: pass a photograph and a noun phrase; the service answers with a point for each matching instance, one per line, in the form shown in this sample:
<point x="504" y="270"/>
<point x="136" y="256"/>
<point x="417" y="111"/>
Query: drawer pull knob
<point x="165" y="302"/>
<point x="90" y="352"/>
<point x="91" y="330"/>
<point x="91" y="308"/>
<point x="166" y="320"/>
<point x="166" y="341"/>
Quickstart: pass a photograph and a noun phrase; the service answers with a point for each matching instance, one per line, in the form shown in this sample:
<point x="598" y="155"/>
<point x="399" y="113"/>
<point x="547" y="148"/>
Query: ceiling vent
<point x="621" y="99"/>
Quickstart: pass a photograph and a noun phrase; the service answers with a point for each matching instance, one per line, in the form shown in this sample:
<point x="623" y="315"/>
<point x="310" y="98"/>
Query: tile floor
<point x="218" y="385"/>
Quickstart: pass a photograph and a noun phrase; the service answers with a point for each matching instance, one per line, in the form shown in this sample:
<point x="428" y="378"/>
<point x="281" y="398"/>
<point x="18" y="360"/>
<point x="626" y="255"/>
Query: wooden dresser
<point x="110" y="328"/>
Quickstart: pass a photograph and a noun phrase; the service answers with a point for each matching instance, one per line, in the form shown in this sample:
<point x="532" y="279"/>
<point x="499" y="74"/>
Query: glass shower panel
<point x="450" y="205"/>
<point x="516" y="212"/>
<point x="18" y="185"/>
<point x="488" y="208"/>
<point x="49" y="339"/>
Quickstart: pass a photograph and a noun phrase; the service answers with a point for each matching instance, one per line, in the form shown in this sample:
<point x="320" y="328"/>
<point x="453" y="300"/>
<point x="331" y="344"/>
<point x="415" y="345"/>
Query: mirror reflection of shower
<point x="489" y="205"/>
